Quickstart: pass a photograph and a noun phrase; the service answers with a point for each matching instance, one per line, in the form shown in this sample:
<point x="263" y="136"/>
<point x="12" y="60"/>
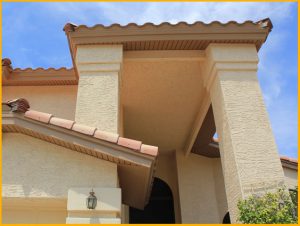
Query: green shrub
<point x="270" y="208"/>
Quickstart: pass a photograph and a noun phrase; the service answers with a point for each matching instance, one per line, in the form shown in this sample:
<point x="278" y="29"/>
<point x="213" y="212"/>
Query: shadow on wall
<point x="160" y="208"/>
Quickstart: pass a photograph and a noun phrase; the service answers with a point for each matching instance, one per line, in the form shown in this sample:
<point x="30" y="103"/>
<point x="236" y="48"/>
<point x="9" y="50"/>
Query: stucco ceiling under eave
<point x="161" y="100"/>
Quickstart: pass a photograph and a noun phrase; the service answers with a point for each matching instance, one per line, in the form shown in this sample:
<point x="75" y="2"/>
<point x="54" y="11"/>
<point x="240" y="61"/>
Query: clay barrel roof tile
<point x="39" y="116"/>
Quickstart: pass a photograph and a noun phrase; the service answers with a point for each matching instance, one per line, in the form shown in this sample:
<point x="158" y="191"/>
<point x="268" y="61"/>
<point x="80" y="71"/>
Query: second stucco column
<point x="249" y="156"/>
<point x="99" y="68"/>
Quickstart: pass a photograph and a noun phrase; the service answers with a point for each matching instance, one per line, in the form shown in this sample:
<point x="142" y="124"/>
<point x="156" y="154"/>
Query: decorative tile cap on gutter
<point x="69" y="27"/>
<point x="289" y="160"/>
<point x="18" y="105"/>
<point x="36" y="76"/>
<point x="22" y="105"/>
<point x="284" y="159"/>
<point x="264" y="23"/>
<point x="167" y="36"/>
<point x="6" y="62"/>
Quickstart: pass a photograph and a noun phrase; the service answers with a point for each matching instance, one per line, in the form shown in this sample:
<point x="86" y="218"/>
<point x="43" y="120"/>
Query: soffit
<point x="166" y="36"/>
<point x="160" y="101"/>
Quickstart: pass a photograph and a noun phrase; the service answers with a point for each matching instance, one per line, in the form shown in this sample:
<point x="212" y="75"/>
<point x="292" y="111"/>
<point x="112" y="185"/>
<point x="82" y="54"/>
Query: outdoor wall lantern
<point x="91" y="201"/>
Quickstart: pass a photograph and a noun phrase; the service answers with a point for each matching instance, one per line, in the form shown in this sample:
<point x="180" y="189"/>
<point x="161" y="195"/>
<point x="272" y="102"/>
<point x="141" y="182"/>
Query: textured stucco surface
<point x="33" y="216"/>
<point x="98" y="87"/>
<point x="197" y="193"/>
<point x="109" y="200"/>
<point x="57" y="100"/>
<point x="97" y="101"/>
<point x="34" y="211"/>
<point x="220" y="189"/>
<point x="161" y="100"/>
<point x="35" y="168"/>
<point x="93" y="220"/>
<point x="108" y="206"/>
<point x="248" y="151"/>
<point x="290" y="177"/>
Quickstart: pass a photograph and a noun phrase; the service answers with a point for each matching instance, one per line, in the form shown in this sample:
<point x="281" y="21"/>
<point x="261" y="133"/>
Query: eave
<point x="135" y="168"/>
<point x="37" y="77"/>
<point x="166" y="36"/>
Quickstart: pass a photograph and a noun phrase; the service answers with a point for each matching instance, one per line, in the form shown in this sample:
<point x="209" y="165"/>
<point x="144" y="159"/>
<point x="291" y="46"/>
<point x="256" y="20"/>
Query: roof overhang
<point x="135" y="169"/>
<point x="36" y="77"/>
<point x="166" y="36"/>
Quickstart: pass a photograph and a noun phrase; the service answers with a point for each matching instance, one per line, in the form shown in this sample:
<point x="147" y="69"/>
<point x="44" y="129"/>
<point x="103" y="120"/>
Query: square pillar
<point x="249" y="155"/>
<point x="107" y="211"/>
<point x="99" y="68"/>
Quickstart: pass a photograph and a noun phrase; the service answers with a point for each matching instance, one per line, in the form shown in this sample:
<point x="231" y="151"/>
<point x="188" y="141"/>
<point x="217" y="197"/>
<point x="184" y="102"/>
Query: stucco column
<point x="249" y="156"/>
<point x="98" y="94"/>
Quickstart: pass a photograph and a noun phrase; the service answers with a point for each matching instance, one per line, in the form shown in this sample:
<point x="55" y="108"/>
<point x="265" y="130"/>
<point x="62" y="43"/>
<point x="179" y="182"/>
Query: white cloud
<point x="140" y="13"/>
<point x="191" y="12"/>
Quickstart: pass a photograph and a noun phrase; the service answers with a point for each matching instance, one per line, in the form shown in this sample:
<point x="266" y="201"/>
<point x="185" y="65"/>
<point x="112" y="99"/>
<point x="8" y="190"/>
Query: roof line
<point x="37" y="76"/>
<point x="6" y="62"/>
<point x="21" y="105"/>
<point x="264" y="23"/>
<point x="283" y="159"/>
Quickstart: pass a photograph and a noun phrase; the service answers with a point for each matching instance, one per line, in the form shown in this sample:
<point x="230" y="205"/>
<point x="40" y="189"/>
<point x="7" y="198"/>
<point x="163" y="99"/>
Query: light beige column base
<point x="93" y="220"/>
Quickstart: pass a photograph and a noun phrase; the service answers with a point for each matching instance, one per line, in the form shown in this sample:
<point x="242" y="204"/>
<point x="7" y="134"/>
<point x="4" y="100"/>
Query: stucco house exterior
<point x="134" y="121"/>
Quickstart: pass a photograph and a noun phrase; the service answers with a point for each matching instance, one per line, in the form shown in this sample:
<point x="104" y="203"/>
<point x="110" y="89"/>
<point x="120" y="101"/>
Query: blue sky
<point x="33" y="37"/>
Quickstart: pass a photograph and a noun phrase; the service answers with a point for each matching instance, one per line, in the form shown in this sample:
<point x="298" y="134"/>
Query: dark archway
<point x="226" y="219"/>
<point x="160" y="208"/>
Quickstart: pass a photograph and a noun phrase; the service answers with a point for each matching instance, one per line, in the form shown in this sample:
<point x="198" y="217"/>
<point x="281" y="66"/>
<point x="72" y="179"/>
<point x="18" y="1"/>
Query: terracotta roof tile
<point x="110" y="137"/>
<point x="39" y="116"/>
<point x="291" y="160"/>
<point x="264" y="24"/>
<point x="87" y="130"/>
<point x="129" y="143"/>
<point x="84" y="129"/>
<point x="68" y="124"/>
<point x="6" y="62"/>
<point x="149" y="150"/>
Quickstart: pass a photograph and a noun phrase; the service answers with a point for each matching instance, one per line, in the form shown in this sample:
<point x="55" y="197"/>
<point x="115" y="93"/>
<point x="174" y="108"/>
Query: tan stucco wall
<point x="220" y="189"/>
<point x="33" y="216"/>
<point x="290" y="177"/>
<point x="57" y="100"/>
<point x="35" y="168"/>
<point x="34" y="210"/>
<point x="166" y="170"/>
<point x="197" y="189"/>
